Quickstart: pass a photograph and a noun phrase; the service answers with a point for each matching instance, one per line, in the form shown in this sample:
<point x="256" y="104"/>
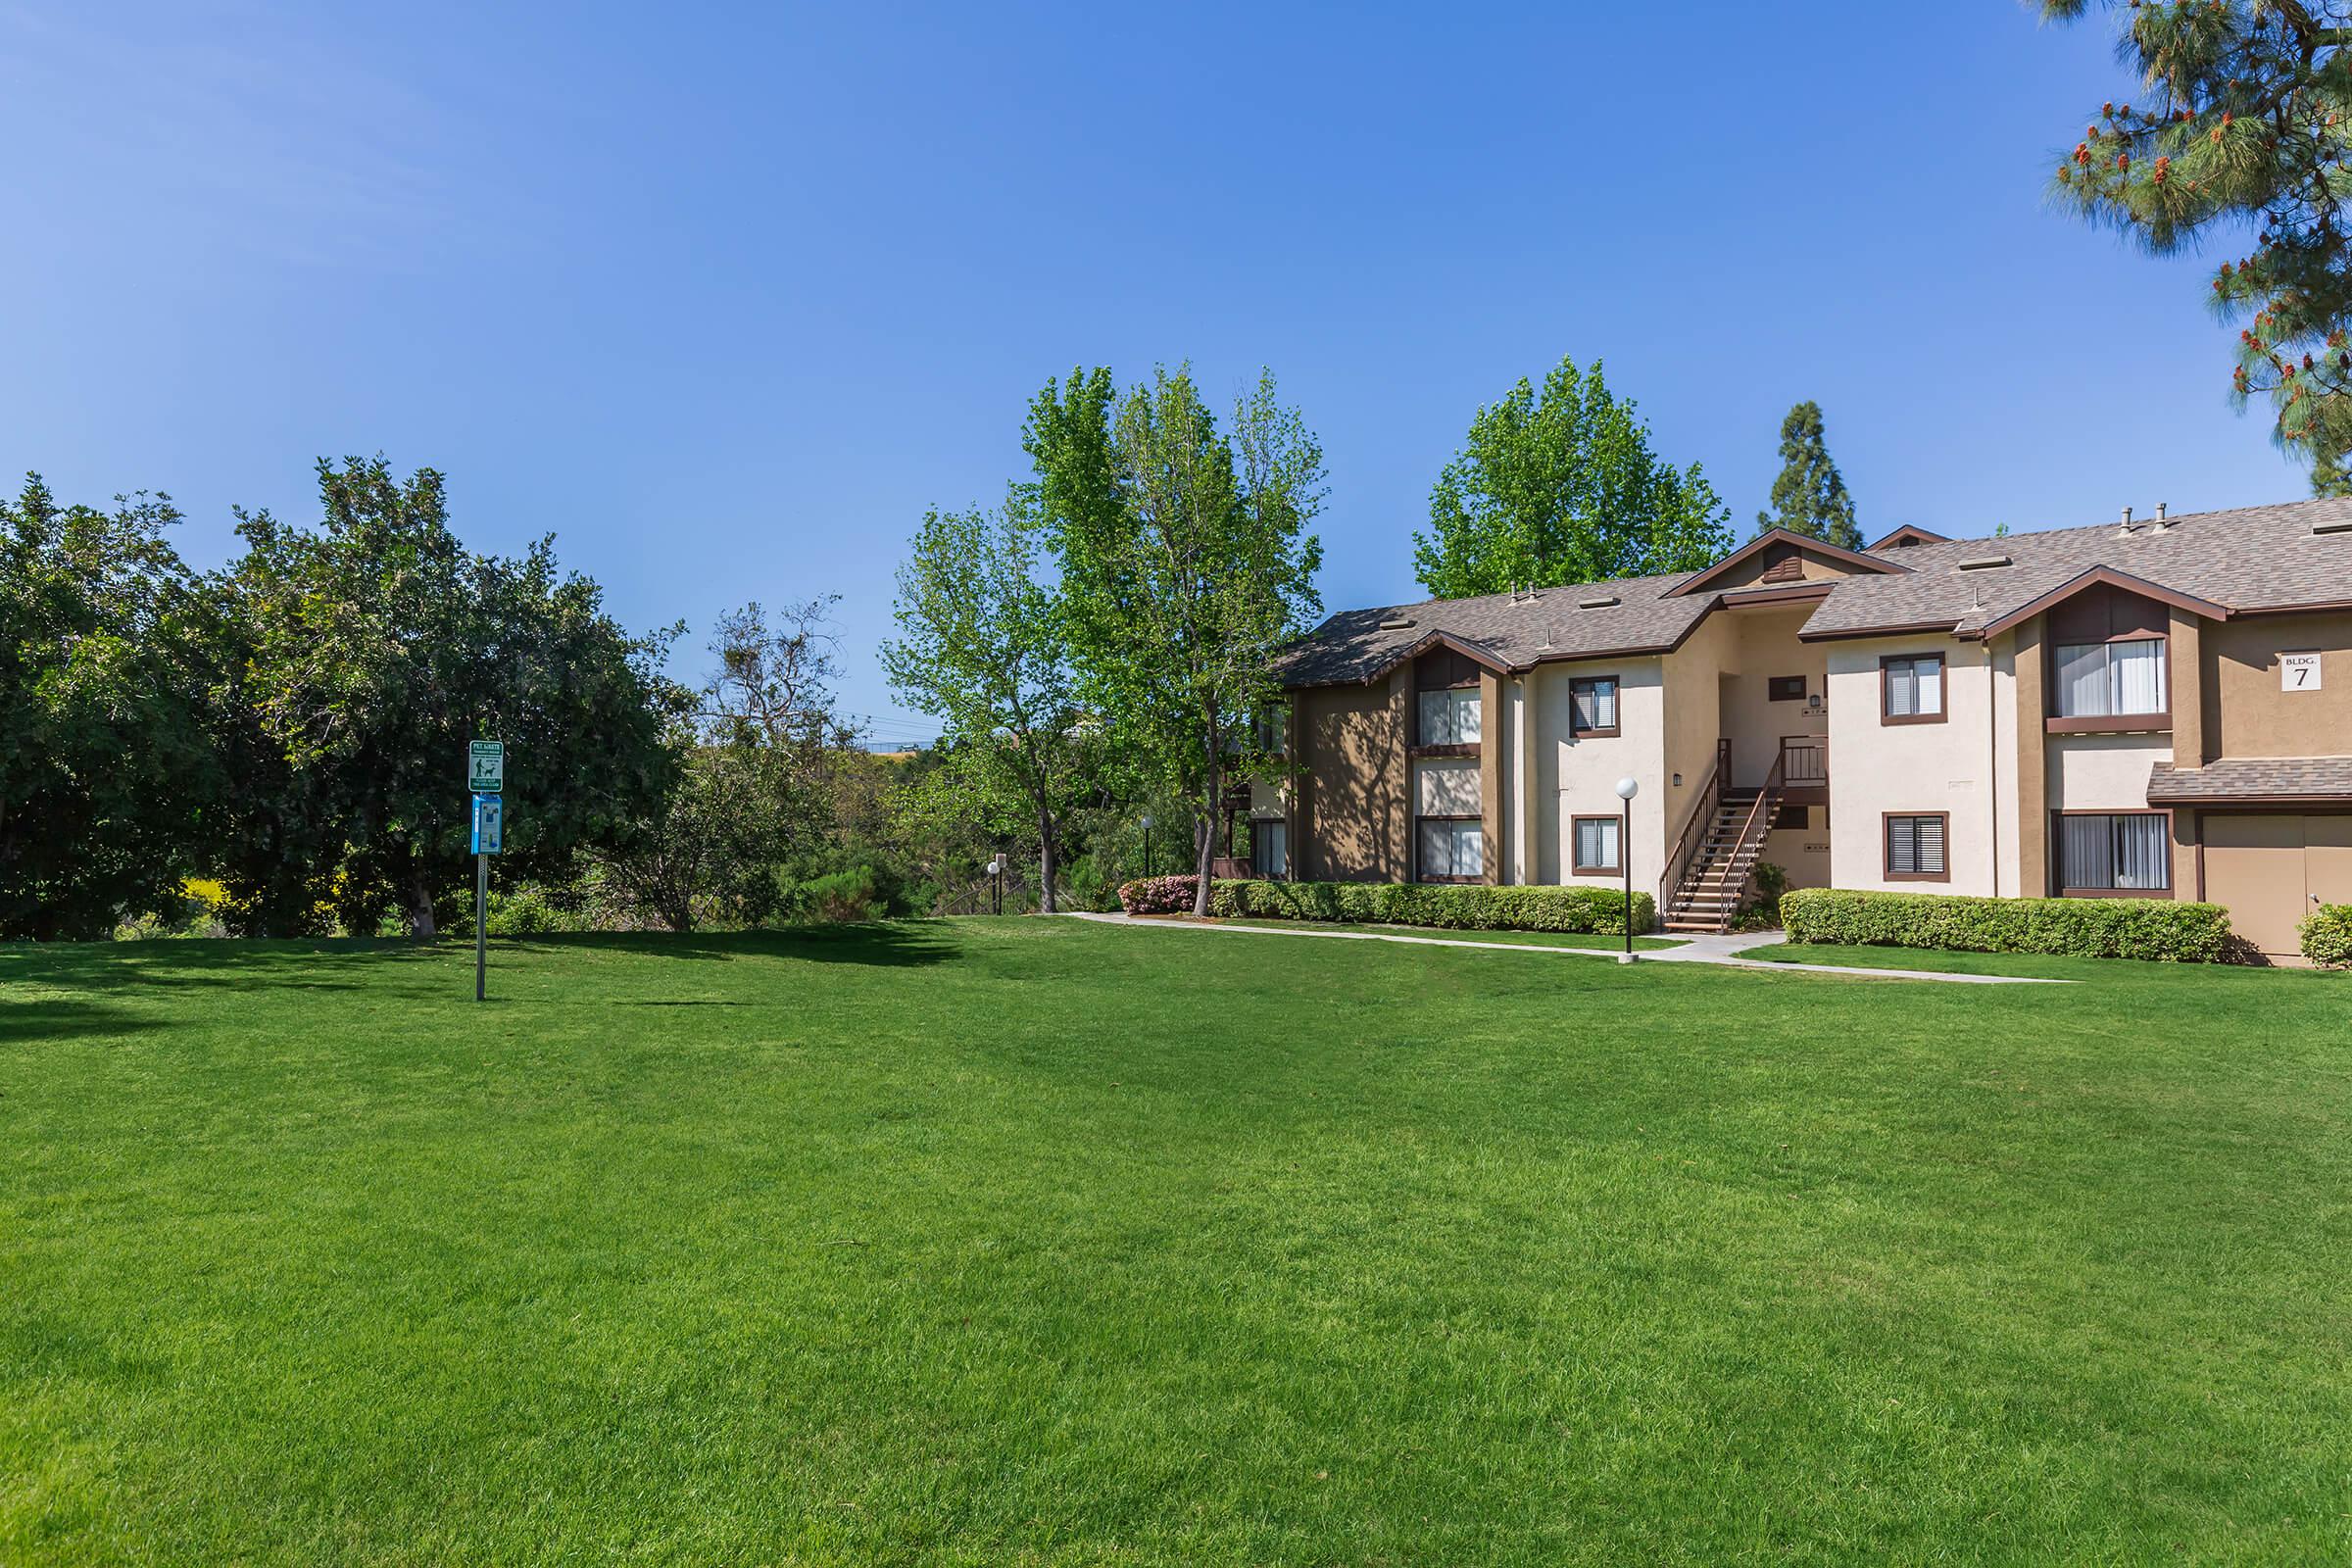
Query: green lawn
<point x="1047" y="1243"/>
<point x="1515" y="939"/>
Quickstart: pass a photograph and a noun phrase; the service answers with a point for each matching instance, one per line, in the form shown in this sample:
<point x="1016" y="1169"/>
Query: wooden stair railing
<point x="1709" y="895"/>
<point x="1702" y="811"/>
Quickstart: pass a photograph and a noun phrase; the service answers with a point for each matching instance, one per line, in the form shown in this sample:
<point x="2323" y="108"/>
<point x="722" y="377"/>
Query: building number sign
<point x="2299" y="672"/>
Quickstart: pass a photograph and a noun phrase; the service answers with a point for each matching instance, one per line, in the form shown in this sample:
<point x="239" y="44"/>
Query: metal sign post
<point x="485" y="775"/>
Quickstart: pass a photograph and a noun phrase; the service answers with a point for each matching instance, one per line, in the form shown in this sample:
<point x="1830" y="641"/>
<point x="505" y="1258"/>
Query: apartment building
<point x="2151" y="709"/>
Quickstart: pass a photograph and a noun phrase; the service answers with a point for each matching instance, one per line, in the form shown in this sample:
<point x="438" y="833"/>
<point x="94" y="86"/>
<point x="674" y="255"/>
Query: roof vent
<point x="2163" y="506"/>
<point x="1602" y="603"/>
<point x="1398" y="624"/>
<point x="2127" y="523"/>
<point x="2341" y="525"/>
<point x="1984" y="563"/>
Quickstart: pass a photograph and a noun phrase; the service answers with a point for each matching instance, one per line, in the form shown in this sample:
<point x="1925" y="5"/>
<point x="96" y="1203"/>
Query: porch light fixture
<point x="1627" y="788"/>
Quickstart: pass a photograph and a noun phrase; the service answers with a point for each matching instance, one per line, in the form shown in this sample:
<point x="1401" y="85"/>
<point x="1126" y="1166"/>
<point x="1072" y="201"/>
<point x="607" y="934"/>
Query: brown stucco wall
<point x="2243" y="711"/>
<point x="1354" y="801"/>
<point x="2186" y="672"/>
<point x="2033" y="766"/>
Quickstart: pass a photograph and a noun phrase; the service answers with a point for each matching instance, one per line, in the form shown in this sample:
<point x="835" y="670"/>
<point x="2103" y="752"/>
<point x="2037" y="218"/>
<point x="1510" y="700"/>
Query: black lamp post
<point x="1147" y="844"/>
<point x="1627" y="788"/>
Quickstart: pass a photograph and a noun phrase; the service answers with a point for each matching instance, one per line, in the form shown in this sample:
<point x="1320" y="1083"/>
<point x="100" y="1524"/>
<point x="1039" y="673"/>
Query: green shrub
<point x="2166" y="930"/>
<point x="2326" y="934"/>
<point x="838" y="898"/>
<point x="1446" y="906"/>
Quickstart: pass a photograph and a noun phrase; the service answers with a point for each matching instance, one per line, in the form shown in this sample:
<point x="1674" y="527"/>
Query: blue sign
<point x="489" y="824"/>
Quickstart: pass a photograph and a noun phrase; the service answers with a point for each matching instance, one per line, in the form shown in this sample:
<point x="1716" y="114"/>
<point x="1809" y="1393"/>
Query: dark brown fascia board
<point x="1905" y="628"/>
<point x="1910" y="531"/>
<point x="2107" y="576"/>
<point x="1763" y="541"/>
<point x="2316" y="607"/>
<point x="1779" y="594"/>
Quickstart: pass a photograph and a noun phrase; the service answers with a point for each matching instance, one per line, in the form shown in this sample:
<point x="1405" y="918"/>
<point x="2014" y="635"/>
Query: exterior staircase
<point x="1715" y="880"/>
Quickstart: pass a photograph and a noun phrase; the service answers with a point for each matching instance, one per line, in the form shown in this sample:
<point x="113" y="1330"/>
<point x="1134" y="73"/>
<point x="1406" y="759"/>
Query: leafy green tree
<point x="380" y="646"/>
<point x="982" y="645"/>
<point x="756" y="748"/>
<point x="2247" y="124"/>
<point x="1809" y="497"/>
<point x="108" y="777"/>
<point x="1562" y="487"/>
<point x="1185" y="562"/>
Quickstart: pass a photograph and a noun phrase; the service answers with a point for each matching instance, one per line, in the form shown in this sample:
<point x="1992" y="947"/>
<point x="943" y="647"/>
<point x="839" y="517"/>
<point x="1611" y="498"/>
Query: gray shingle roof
<point x="2253" y="778"/>
<point x="2252" y="558"/>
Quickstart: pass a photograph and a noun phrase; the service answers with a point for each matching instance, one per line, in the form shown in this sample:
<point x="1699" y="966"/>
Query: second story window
<point x="1450" y="718"/>
<point x="1911" y="689"/>
<point x="1592" y="704"/>
<point x="2101" y="680"/>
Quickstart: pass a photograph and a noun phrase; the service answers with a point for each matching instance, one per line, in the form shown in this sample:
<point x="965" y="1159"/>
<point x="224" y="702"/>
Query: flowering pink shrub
<point x="1159" y="895"/>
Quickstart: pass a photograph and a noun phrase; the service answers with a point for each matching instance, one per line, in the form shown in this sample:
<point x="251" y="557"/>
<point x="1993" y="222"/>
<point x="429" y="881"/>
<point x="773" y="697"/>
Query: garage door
<point x="2270" y="870"/>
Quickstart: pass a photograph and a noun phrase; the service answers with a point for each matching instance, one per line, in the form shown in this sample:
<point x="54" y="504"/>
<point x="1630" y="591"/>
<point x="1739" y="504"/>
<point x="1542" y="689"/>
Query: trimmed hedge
<point x="2326" y="934"/>
<point x="2166" y="930"/>
<point x="1448" y="906"/>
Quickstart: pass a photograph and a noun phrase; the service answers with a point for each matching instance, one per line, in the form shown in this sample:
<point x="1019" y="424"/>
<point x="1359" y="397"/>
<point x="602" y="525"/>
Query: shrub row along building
<point x="2159" y="709"/>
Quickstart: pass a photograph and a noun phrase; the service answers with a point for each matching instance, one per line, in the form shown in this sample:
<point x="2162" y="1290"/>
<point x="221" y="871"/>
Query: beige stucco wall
<point x="1876" y="768"/>
<point x="2246" y="713"/>
<point x="1446" y="787"/>
<point x="1765" y="645"/>
<point x="2103" y="772"/>
<point x="1694" y="716"/>
<point x="1578" y="776"/>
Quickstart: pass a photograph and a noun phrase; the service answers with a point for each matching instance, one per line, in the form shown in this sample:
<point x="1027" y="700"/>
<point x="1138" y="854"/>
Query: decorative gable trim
<point x="2110" y="577"/>
<point x="1699" y="581"/>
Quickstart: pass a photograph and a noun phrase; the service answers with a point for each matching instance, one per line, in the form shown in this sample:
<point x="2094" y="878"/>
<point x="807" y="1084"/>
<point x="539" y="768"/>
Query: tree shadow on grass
<point x="243" y="963"/>
<point x="890" y="946"/>
<point x="51" y="1021"/>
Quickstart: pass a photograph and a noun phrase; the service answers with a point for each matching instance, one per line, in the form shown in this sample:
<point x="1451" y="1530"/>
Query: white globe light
<point x="1628" y="787"/>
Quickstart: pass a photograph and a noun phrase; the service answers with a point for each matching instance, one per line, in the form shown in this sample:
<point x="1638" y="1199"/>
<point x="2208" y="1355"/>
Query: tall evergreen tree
<point x="1810" y="497"/>
<point x="1560" y="487"/>
<point x="2247" y="123"/>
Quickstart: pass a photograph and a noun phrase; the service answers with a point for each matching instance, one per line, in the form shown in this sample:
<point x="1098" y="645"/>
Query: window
<point x="1786" y="688"/>
<point x="2101" y="680"/>
<point x="1597" y="845"/>
<point x="2118" y="852"/>
<point x="1592" y="704"/>
<point x="1272" y="730"/>
<point x="1911" y="689"/>
<point x="1449" y="717"/>
<point x="1915" y="848"/>
<point x="1453" y="849"/>
<point x="1270" y="848"/>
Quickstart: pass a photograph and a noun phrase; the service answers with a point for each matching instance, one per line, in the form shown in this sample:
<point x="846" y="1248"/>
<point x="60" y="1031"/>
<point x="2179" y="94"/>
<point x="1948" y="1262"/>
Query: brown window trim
<point x="2110" y="723"/>
<point x="1776" y="688"/>
<point x="1944" y="696"/>
<point x="1576" y="821"/>
<point x="1598" y="732"/>
<point x="2168" y="891"/>
<point x="1886" y="873"/>
<point x="1449" y="749"/>
<point x="1452" y="816"/>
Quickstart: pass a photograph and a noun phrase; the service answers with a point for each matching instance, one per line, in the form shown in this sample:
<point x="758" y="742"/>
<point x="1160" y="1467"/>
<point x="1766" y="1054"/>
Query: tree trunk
<point x="420" y="900"/>
<point x="1204" y="837"/>
<point x="1047" y="861"/>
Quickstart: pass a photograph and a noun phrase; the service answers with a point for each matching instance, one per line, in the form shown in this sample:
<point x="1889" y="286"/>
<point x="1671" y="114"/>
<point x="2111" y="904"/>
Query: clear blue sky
<point x="724" y="295"/>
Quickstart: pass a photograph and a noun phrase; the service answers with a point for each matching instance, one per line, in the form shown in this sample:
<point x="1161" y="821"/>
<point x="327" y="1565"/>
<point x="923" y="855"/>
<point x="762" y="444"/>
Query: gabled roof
<point x="2250" y="561"/>
<point x="1910" y="534"/>
<point x="2108" y="577"/>
<point x="1697" y="581"/>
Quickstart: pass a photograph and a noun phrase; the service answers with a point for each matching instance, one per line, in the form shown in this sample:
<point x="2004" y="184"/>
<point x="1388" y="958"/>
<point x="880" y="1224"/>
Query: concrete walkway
<point x="1723" y="951"/>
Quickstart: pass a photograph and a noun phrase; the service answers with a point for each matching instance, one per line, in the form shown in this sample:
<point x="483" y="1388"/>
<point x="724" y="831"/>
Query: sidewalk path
<point x="1723" y="951"/>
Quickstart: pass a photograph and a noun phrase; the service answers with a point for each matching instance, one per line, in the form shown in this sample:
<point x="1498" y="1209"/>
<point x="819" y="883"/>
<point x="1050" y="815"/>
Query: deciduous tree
<point x="982" y="645"/>
<point x="1562" y="487"/>
<point x="1185" y="562"/>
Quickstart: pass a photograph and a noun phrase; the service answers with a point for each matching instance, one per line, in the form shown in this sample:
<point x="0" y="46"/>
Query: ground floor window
<point x="2114" y="851"/>
<point x="1270" y="848"/>
<point x="1916" y="851"/>
<point x="1452" y="849"/>
<point x="1597" y="846"/>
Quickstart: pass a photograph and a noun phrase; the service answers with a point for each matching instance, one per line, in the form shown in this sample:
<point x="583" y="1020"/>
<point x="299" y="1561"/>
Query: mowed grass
<point x="1580" y="940"/>
<point x="1031" y="1242"/>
